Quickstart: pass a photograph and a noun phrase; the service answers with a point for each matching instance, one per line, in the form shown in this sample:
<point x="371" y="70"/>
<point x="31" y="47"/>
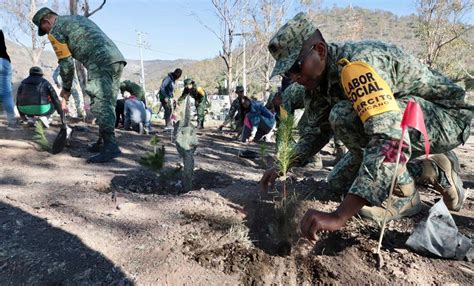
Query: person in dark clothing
<point x="119" y="112"/>
<point x="37" y="97"/>
<point x="6" y="97"/>
<point x="166" y="94"/>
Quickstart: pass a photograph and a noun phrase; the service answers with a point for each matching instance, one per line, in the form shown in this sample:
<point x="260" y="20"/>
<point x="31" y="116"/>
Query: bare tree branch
<point x="86" y="7"/>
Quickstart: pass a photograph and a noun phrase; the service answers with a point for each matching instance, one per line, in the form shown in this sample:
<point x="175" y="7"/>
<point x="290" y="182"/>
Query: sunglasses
<point x="297" y="66"/>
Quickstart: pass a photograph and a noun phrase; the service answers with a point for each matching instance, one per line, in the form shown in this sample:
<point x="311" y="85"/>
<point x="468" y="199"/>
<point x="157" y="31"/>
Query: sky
<point x="173" y="31"/>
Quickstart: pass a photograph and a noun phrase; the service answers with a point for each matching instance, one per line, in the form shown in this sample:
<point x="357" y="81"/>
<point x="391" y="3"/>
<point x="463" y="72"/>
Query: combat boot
<point x="95" y="147"/>
<point x="397" y="208"/>
<point x="442" y="172"/>
<point x="108" y="152"/>
<point x="200" y="124"/>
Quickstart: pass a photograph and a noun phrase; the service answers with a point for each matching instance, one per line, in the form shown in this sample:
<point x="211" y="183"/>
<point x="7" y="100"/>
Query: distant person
<point x="258" y="122"/>
<point x="236" y="113"/>
<point x="119" y="112"/>
<point x="6" y="96"/>
<point x="166" y="94"/>
<point x="200" y="99"/>
<point x="137" y="116"/>
<point x="77" y="37"/>
<point x="78" y="98"/>
<point x="36" y="97"/>
<point x="134" y="89"/>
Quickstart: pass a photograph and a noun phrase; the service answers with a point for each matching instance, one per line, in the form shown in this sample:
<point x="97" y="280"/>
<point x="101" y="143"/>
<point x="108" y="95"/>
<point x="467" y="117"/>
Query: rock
<point x="414" y="266"/>
<point x="401" y="250"/>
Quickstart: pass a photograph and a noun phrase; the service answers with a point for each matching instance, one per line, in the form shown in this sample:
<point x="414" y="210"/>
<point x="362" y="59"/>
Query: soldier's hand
<point x="268" y="180"/>
<point x="314" y="221"/>
<point x="65" y="94"/>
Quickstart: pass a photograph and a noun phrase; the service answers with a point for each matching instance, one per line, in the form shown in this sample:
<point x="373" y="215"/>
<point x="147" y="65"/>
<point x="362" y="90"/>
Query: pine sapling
<point x="285" y="151"/>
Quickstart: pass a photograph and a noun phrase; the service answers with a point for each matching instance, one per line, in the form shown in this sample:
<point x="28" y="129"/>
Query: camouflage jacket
<point x="405" y="75"/>
<point x="197" y="92"/>
<point x="79" y="38"/>
<point x="234" y="108"/>
<point x="132" y="88"/>
<point x="293" y="98"/>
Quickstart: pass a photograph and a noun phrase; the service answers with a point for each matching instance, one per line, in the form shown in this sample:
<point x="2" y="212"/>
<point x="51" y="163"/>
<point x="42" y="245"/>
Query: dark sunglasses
<point x="296" y="67"/>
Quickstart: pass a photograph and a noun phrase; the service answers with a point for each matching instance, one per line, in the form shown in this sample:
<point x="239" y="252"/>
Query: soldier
<point x="78" y="98"/>
<point x="134" y="90"/>
<point x="79" y="38"/>
<point x="365" y="172"/>
<point x="235" y="107"/>
<point x="200" y="99"/>
<point x="166" y="94"/>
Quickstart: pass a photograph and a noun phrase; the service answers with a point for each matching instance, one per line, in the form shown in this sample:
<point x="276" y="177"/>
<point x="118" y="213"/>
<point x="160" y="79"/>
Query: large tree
<point x="230" y="15"/>
<point x="267" y="18"/>
<point x="18" y="15"/>
<point x="444" y="35"/>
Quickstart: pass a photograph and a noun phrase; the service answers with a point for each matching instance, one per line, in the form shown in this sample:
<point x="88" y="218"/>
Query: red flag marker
<point x="413" y="117"/>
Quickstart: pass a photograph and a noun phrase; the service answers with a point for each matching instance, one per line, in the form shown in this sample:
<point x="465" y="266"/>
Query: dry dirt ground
<point x="64" y="221"/>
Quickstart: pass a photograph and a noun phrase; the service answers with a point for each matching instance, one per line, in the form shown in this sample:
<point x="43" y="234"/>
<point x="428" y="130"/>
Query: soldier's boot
<point x="108" y="152"/>
<point x="200" y="124"/>
<point x="315" y="162"/>
<point x="442" y="172"/>
<point x="405" y="206"/>
<point x="96" y="146"/>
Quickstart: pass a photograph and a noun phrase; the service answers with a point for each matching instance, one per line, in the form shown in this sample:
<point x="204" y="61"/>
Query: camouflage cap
<point x="239" y="88"/>
<point x="39" y="15"/>
<point x="36" y="71"/>
<point x="188" y="81"/>
<point x="286" y="44"/>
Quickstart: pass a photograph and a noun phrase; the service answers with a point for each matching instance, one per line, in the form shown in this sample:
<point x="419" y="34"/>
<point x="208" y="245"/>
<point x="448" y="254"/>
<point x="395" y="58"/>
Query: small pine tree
<point x="285" y="150"/>
<point x="155" y="160"/>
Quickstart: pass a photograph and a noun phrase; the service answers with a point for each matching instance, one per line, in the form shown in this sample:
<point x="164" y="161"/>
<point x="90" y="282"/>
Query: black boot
<point x="95" y="147"/>
<point x="108" y="152"/>
<point x="200" y="124"/>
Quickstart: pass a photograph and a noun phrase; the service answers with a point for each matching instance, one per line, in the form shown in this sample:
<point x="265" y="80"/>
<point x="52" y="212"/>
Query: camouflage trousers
<point x="103" y="85"/>
<point x="367" y="169"/>
<point x="201" y="110"/>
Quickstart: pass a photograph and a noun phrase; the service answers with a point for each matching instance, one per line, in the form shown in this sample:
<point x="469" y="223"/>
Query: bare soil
<point x="64" y="221"/>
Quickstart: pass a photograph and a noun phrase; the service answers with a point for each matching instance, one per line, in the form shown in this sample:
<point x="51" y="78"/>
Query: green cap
<point x="188" y="81"/>
<point x="286" y="44"/>
<point x="36" y="71"/>
<point x="39" y="15"/>
<point x="239" y="88"/>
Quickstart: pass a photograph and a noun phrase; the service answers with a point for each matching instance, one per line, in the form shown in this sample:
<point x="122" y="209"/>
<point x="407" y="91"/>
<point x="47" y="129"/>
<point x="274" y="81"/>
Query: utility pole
<point x="244" y="64"/>
<point x="142" y="44"/>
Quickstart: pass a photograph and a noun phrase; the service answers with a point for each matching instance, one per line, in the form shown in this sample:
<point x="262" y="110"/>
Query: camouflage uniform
<point x="132" y="88"/>
<point x="78" y="98"/>
<point x="200" y="100"/>
<point x="235" y="112"/>
<point x="366" y="170"/>
<point x="79" y="38"/>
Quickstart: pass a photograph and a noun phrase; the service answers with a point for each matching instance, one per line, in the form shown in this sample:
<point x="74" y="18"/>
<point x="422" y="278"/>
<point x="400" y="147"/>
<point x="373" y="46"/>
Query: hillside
<point x="336" y="24"/>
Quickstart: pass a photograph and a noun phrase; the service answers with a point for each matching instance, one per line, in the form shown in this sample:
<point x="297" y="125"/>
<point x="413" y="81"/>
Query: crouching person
<point x="258" y="122"/>
<point x="137" y="116"/>
<point x="37" y="97"/>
